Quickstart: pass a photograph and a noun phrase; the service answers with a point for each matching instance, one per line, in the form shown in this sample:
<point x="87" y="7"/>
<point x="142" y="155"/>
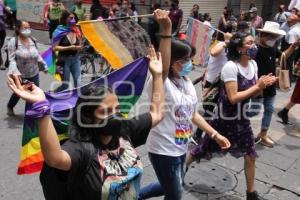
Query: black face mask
<point x="110" y="126"/>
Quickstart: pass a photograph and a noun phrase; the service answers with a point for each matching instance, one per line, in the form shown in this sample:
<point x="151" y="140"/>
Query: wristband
<point x="39" y="109"/>
<point x="214" y="134"/>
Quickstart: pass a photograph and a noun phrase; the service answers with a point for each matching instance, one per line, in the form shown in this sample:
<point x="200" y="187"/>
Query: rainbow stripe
<point x="128" y="84"/>
<point x="118" y="41"/>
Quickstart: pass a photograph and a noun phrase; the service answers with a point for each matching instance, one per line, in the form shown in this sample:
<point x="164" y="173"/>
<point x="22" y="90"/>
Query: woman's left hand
<point x="222" y="141"/>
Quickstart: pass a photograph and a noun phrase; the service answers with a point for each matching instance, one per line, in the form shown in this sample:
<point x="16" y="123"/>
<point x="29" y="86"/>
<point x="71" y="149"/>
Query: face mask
<point x="252" y="51"/>
<point x="26" y="32"/>
<point x="72" y="22"/>
<point x="187" y="68"/>
<point x="271" y="43"/>
<point x="251" y="15"/>
<point x="110" y="125"/>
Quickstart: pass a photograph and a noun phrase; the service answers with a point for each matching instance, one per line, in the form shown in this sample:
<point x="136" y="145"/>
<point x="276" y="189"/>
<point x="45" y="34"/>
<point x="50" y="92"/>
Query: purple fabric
<point x="39" y="110"/>
<point x="237" y="130"/>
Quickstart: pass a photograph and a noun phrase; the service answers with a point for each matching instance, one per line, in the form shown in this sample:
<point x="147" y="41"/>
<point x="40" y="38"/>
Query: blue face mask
<point x="187" y="68"/>
<point x="252" y="51"/>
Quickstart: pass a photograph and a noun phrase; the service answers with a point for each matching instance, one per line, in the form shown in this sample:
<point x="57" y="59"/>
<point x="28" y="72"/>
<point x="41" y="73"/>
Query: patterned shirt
<point x="24" y="60"/>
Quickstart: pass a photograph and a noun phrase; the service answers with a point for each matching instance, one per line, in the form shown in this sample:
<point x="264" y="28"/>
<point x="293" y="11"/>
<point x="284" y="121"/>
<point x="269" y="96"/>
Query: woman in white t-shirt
<point x="239" y="78"/>
<point x="168" y="143"/>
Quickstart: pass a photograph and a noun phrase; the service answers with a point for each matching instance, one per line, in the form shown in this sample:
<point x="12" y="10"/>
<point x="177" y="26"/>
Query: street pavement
<point x="277" y="169"/>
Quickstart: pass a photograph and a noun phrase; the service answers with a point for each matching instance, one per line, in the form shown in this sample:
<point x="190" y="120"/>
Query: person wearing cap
<point x="256" y="21"/>
<point x="282" y="15"/>
<point x="266" y="62"/>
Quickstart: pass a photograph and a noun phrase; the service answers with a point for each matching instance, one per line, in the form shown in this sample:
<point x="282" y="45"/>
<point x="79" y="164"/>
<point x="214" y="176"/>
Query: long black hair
<point x="180" y="49"/>
<point x="236" y="42"/>
<point x="83" y="113"/>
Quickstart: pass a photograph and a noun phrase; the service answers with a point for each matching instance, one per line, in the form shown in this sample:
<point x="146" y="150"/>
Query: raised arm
<point x="53" y="154"/>
<point x="162" y="17"/>
<point x="158" y="95"/>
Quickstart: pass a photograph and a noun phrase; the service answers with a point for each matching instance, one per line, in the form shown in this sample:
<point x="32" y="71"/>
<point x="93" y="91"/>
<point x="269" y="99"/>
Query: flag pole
<point x="115" y="19"/>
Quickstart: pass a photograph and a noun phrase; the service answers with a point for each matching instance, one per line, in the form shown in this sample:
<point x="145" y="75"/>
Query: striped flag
<point x="199" y="36"/>
<point x="118" y="41"/>
<point x="128" y="84"/>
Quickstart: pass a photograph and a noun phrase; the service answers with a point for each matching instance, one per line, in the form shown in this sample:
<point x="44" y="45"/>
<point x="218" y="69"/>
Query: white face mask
<point x="271" y="43"/>
<point x="26" y="32"/>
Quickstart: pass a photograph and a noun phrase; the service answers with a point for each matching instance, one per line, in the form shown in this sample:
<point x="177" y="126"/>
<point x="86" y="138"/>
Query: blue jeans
<point x="14" y="99"/>
<point x="71" y="66"/>
<point x="268" y="103"/>
<point x="170" y="173"/>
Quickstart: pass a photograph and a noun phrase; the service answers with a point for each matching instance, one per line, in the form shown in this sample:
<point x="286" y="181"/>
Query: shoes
<point x="10" y="111"/>
<point x="267" y="141"/>
<point x="254" y="196"/>
<point x="284" y="117"/>
<point x="2" y="67"/>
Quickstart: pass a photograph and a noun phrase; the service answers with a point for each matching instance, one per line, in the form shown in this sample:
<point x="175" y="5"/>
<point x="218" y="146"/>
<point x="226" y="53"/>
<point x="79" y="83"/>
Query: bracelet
<point x="214" y="134"/>
<point x="165" y="36"/>
<point x="39" y="109"/>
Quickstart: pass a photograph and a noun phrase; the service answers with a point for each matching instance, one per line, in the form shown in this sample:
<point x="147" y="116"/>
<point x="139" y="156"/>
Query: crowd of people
<point x="241" y="68"/>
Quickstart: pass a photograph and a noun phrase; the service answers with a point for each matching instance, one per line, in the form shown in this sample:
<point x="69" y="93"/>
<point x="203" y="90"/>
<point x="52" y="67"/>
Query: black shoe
<point x="254" y="196"/>
<point x="284" y="117"/>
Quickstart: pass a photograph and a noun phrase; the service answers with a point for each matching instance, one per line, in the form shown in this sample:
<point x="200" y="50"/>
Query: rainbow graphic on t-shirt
<point x="183" y="124"/>
<point x="182" y="135"/>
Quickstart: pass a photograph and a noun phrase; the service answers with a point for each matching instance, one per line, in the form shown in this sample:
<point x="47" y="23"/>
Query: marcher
<point x="176" y="16"/>
<point x="3" y="10"/>
<point x="134" y="12"/>
<point x="295" y="98"/>
<point x="267" y="48"/>
<point x="79" y="10"/>
<point x="68" y="48"/>
<point x="195" y="13"/>
<point x="101" y="144"/>
<point x="282" y="15"/>
<point x="226" y="23"/>
<point x="239" y="77"/>
<point x="54" y="13"/>
<point x="243" y="16"/>
<point x="24" y="59"/>
<point x="256" y="20"/>
<point x="97" y="10"/>
<point x="167" y="143"/>
<point x="212" y="77"/>
<point x="12" y="16"/>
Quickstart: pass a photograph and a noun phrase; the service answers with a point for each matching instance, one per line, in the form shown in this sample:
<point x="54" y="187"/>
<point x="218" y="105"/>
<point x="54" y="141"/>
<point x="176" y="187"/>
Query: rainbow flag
<point x="49" y="55"/>
<point x="128" y="84"/>
<point x="199" y="35"/>
<point x="118" y="41"/>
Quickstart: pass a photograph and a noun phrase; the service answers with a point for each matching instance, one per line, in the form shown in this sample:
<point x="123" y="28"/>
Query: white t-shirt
<point x="215" y="64"/>
<point x="171" y="136"/>
<point x="294" y="34"/>
<point x="231" y="69"/>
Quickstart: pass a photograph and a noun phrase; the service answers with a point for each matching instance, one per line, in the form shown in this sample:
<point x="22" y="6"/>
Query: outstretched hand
<point x="155" y="62"/>
<point x="28" y="92"/>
